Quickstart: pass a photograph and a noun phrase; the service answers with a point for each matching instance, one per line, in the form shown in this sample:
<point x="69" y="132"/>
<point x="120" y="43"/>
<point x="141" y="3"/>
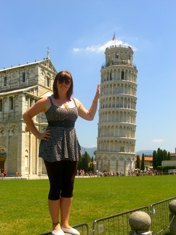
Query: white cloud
<point x="92" y="48"/>
<point x="77" y="49"/>
<point x="93" y="146"/>
<point x="158" y="140"/>
<point x="101" y="48"/>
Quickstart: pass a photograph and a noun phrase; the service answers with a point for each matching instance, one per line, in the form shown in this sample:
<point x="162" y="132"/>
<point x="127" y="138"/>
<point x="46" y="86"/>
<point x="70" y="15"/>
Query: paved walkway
<point x="24" y="177"/>
<point x="32" y="177"/>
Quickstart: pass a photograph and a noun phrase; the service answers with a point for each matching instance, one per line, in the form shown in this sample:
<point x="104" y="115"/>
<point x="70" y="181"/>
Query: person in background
<point x="5" y="173"/>
<point x="59" y="146"/>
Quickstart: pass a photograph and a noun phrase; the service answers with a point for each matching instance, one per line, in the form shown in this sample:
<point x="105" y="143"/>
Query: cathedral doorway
<point x="2" y="156"/>
<point x="2" y="164"/>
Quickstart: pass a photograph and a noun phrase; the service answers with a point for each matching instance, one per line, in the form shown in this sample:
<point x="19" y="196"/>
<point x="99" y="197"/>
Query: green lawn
<point x="24" y="209"/>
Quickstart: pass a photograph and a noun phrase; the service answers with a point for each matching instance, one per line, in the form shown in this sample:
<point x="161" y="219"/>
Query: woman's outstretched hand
<point x="97" y="95"/>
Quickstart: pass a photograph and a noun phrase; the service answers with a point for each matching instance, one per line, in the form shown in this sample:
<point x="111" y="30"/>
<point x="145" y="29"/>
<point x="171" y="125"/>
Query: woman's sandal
<point x="57" y="232"/>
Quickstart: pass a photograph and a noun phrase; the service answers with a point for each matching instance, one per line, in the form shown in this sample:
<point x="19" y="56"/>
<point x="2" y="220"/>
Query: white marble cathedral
<point x="117" y="112"/>
<point x="20" y="88"/>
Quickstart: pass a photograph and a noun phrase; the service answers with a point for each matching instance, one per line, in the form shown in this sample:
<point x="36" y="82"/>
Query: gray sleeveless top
<point x="63" y="143"/>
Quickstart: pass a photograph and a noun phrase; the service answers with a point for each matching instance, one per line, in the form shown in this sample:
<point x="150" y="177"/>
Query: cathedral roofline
<point x="18" y="90"/>
<point x="25" y="90"/>
<point x="28" y="65"/>
<point x="20" y="66"/>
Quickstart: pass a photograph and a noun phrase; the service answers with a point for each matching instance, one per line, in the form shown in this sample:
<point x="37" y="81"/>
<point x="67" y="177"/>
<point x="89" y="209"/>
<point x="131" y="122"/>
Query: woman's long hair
<point x="63" y="75"/>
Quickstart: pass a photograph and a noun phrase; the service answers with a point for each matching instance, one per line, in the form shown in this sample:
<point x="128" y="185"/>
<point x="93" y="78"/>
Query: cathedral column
<point x="116" y="166"/>
<point x="30" y="153"/>
<point x="108" y="165"/>
<point x="101" y="165"/>
<point x="131" y="165"/>
<point x="6" y="166"/>
<point x="28" y="102"/>
<point x="21" y="150"/>
<point x="37" y="150"/>
<point x="125" y="167"/>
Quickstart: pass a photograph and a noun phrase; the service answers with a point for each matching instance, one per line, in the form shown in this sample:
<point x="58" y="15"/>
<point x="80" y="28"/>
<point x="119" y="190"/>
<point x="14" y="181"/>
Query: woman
<point x="59" y="146"/>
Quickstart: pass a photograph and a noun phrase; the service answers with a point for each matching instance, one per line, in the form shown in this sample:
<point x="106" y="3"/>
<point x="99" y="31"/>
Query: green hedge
<point x="165" y="168"/>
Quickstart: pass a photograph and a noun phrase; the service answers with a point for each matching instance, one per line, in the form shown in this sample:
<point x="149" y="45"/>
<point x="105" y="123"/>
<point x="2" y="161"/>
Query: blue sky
<point x="77" y="32"/>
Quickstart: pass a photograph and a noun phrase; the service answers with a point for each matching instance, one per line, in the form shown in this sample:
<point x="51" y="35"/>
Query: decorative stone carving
<point x="2" y="150"/>
<point x="121" y="158"/>
<point x="13" y="129"/>
<point x="2" y="130"/>
<point x="113" y="158"/>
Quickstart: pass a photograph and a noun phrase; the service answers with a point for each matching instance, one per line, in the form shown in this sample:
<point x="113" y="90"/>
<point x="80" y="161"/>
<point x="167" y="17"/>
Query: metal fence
<point x="82" y="228"/>
<point x="115" y="224"/>
<point x="118" y="224"/>
<point x="159" y="213"/>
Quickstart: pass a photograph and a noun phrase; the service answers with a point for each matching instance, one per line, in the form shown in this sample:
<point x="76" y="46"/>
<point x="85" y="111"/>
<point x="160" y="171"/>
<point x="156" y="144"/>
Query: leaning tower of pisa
<point x="117" y="112"/>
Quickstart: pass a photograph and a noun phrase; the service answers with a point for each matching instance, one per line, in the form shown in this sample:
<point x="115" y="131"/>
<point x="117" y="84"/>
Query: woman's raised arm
<point x="89" y="114"/>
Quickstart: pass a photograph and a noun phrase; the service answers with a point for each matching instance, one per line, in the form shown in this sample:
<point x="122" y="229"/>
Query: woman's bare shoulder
<point x="45" y="103"/>
<point x="78" y="103"/>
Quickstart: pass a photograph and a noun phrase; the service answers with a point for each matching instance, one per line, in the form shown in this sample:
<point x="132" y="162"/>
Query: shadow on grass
<point x="166" y="233"/>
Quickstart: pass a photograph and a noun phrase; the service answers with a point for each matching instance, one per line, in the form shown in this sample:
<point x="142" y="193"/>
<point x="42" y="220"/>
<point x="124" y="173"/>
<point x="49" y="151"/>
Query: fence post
<point x="172" y="208"/>
<point x="140" y="223"/>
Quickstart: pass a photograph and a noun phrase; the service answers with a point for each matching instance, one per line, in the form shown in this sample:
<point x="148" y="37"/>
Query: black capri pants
<point x="61" y="176"/>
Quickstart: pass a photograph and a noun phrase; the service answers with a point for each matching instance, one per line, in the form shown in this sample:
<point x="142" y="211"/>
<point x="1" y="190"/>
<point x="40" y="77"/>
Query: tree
<point x="138" y="162"/>
<point x="80" y="164"/>
<point x="83" y="162"/>
<point x="143" y="162"/>
<point x="159" y="156"/>
<point x="162" y="157"/>
<point x="169" y="156"/>
<point x="86" y="161"/>
<point x="154" y="160"/>
<point x="164" y="154"/>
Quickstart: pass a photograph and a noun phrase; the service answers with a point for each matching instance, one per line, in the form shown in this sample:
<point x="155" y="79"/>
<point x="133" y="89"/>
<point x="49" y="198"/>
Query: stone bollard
<point x="172" y="208"/>
<point x="140" y="223"/>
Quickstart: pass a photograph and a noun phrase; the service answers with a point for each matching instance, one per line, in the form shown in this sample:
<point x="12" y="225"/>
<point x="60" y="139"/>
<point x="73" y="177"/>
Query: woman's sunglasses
<point x="61" y="81"/>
